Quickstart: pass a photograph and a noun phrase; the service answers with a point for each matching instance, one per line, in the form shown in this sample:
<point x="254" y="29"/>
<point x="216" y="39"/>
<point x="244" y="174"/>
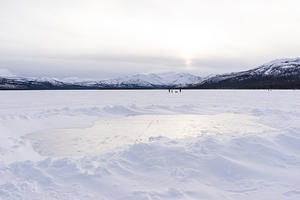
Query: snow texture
<point x="198" y="145"/>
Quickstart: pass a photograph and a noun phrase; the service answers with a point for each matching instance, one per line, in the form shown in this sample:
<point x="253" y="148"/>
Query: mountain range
<point x="278" y="74"/>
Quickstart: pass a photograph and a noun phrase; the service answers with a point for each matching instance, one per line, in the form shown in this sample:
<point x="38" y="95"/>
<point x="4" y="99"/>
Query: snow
<point x="192" y="145"/>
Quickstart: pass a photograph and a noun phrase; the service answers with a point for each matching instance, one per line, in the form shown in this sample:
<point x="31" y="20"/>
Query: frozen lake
<point x="150" y="144"/>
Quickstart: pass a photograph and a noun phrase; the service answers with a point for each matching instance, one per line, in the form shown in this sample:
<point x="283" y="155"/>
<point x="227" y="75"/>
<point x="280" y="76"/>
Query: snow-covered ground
<point x="150" y="144"/>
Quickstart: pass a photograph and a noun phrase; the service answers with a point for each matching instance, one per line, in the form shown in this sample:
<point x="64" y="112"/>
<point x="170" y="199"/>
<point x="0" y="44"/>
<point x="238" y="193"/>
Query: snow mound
<point x="247" y="167"/>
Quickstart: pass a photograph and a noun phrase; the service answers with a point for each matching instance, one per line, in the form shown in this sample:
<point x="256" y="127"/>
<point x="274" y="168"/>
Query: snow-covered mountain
<point x="281" y="73"/>
<point x="33" y="83"/>
<point x="280" y="67"/>
<point x="164" y="80"/>
<point x="154" y="80"/>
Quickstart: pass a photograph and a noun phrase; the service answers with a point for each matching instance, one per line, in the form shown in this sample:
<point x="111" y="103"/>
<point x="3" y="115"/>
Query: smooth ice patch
<point x="107" y="134"/>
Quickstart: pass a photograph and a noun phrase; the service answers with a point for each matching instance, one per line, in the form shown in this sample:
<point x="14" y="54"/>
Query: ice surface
<point x="248" y="147"/>
<point x="108" y="134"/>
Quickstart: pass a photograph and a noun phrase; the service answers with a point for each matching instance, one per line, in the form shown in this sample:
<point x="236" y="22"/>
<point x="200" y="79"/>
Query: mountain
<point x="138" y="81"/>
<point x="12" y="83"/>
<point x="164" y="80"/>
<point x="278" y="74"/>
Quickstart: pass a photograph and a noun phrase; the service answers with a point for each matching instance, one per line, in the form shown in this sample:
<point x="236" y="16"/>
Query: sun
<point x="188" y="62"/>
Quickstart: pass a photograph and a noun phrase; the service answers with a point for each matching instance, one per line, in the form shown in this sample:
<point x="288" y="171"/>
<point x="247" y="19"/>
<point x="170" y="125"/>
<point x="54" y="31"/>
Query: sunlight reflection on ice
<point x="107" y="134"/>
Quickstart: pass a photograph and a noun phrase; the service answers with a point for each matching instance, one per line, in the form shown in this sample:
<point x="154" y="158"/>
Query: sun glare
<point x="188" y="61"/>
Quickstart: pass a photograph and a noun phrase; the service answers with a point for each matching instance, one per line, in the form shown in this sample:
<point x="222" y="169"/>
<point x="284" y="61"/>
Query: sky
<point x="108" y="38"/>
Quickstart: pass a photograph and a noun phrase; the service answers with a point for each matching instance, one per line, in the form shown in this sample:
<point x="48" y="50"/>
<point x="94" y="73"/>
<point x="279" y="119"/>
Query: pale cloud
<point x="6" y="73"/>
<point x="134" y="36"/>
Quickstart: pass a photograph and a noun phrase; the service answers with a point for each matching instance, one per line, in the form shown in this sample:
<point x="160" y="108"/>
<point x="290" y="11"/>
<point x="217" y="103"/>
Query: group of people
<point x="174" y="90"/>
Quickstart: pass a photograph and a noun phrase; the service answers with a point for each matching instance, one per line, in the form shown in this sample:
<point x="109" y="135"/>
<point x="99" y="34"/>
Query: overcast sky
<point x="106" y="38"/>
